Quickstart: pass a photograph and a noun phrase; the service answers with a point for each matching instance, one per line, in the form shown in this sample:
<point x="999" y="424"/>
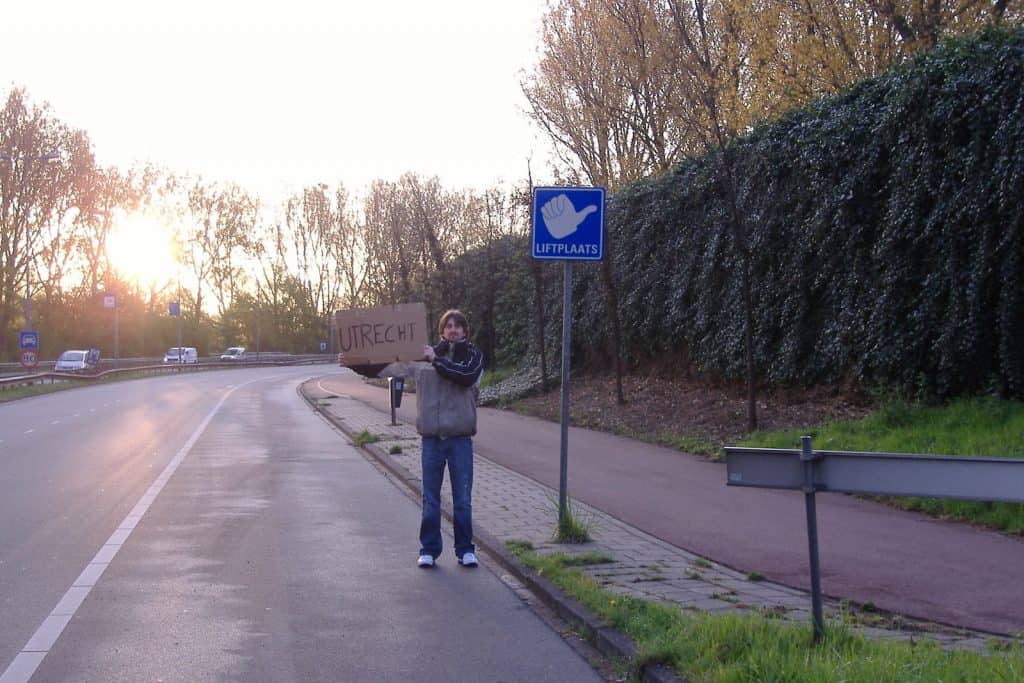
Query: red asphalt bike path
<point x="902" y="562"/>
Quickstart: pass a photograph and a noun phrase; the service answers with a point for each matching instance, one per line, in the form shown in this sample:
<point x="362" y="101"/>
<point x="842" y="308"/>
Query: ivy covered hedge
<point x="885" y="228"/>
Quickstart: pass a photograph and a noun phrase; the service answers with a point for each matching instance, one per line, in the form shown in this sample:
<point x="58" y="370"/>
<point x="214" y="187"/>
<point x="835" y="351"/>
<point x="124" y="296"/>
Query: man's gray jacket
<point x="447" y="391"/>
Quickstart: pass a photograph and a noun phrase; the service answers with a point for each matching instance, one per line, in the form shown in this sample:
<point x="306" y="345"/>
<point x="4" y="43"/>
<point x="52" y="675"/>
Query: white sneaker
<point x="425" y="562"/>
<point x="468" y="560"/>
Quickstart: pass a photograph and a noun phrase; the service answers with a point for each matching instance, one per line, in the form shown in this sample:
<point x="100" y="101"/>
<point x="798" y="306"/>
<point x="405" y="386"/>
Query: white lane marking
<point x="31" y="656"/>
<point x="29" y="431"/>
<point x="321" y="387"/>
<point x="55" y="422"/>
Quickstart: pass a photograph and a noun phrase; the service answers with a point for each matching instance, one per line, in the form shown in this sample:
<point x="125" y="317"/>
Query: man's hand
<point x="561" y="217"/>
<point x="428" y="353"/>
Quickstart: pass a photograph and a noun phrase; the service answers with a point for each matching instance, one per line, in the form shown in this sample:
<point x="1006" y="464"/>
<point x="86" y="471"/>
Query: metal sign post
<point x="110" y="301"/>
<point x="28" y="345"/>
<point x="563" y="462"/>
<point x="568" y="225"/>
<point x="807" y="457"/>
<point x="174" y="309"/>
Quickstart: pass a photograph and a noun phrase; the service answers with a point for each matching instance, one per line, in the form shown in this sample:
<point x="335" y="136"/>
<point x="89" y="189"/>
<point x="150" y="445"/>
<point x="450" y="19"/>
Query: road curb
<point x="607" y="640"/>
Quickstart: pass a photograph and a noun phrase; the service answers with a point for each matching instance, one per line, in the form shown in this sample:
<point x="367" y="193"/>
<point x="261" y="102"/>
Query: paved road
<point x="902" y="562"/>
<point x="249" y="541"/>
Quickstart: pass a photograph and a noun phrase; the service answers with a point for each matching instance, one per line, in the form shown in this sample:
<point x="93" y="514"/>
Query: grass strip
<point x="984" y="426"/>
<point x="736" y="648"/>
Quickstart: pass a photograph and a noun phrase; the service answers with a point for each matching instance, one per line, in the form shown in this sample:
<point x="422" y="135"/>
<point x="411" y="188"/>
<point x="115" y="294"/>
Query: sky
<point x="277" y="96"/>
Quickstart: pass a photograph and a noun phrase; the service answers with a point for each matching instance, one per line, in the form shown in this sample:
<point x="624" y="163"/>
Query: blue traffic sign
<point x="174" y="308"/>
<point x="568" y="223"/>
<point x="28" y="340"/>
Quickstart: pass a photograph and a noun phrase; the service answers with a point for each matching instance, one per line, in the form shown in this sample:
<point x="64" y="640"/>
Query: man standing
<point x="446" y="396"/>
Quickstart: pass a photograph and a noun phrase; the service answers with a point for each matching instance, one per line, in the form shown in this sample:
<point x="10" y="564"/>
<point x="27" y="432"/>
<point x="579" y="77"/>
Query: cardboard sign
<point x="383" y="334"/>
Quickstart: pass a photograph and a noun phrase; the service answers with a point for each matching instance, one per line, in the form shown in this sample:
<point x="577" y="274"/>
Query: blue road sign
<point x="28" y="340"/>
<point x="568" y="223"/>
<point x="323" y="346"/>
<point x="174" y="308"/>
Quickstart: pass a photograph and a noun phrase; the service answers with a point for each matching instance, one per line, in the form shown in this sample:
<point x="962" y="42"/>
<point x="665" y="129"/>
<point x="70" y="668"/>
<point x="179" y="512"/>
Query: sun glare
<point x="140" y="249"/>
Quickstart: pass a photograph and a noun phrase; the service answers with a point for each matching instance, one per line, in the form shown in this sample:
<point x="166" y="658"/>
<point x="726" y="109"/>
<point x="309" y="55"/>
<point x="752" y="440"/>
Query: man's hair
<point x="458" y="316"/>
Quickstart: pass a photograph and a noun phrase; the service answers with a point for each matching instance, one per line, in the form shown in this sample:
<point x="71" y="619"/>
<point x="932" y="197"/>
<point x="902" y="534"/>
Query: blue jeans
<point x="457" y="452"/>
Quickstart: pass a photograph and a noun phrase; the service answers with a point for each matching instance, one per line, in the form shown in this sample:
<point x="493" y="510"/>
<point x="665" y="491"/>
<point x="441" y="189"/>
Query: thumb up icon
<point x="561" y="217"/>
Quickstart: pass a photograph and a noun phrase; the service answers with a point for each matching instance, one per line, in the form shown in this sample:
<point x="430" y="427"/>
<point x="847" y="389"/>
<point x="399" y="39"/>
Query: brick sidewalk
<point x="510" y="507"/>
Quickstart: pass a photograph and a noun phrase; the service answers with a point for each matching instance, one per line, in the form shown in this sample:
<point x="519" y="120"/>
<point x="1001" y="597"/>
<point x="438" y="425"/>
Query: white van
<point x="181" y="354"/>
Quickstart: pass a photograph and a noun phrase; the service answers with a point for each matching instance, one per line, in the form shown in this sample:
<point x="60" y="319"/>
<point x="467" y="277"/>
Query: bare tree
<point x="389" y="271"/>
<point x="351" y="250"/>
<point x="34" y="194"/>
<point x="215" y="235"/>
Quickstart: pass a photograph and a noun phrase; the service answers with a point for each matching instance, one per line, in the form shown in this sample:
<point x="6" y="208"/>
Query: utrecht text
<point x="366" y="335"/>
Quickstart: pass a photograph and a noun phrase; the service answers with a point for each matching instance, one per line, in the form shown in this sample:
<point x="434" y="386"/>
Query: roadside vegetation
<point x="365" y="437"/>
<point x="24" y="391"/>
<point x="985" y="426"/>
<point x="493" y="377"/>
<point x="703" y="647"/>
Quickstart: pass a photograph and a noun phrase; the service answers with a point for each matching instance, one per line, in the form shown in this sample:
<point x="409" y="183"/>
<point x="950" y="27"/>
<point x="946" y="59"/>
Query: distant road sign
<point x="28" y="340"/>
<point x="109" y="301"/>
<point x="174" y="308"/>
<point x="323" y="346"/>
<point x="29" y="359"/>
<point x="568" y="223"/>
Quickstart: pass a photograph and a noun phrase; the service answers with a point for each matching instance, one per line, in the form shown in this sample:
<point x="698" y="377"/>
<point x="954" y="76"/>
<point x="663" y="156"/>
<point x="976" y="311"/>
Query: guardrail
<point x="160" y="369"/>
<point x="889" y="474"/>
<point x="14" y="368"/>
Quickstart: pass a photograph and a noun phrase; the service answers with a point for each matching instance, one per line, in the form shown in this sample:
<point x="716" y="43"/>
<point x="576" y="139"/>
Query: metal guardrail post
<point x="808" y="457"/>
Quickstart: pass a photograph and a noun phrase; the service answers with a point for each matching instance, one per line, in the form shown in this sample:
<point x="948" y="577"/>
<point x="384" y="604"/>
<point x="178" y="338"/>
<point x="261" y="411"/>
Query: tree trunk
<point x="740" y="238"/>
<point x="612" y="299"/>
<point x="538" y="297"/>
<point x="748" y="336"/>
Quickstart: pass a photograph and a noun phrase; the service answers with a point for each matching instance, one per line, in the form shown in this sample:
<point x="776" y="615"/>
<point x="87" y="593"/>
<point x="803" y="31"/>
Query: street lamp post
<point x="179" y="318"/>
<point x="110" y="301"/>
<point x="26" y="161"/>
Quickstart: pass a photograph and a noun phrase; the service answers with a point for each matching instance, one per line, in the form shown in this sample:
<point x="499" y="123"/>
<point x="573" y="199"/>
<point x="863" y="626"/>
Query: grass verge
<point x="571" y="527"/>
<point x="365" y="437"/>
<point x="492" y="377"/>
<point x="985" y="426"/>
<point x="704" y="647"/>
<point x="27" y="390"/>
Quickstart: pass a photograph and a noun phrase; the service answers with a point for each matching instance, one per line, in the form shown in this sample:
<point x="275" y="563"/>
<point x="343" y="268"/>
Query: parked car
<point x="78" y="360"/>
<point x="181" y="354"/>
<point x="233" y="353"/>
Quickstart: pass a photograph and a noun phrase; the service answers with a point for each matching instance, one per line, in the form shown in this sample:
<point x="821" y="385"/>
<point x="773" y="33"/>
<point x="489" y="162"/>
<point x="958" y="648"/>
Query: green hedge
<point x="885" y="226"/>
<point x="886" y="231"/>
